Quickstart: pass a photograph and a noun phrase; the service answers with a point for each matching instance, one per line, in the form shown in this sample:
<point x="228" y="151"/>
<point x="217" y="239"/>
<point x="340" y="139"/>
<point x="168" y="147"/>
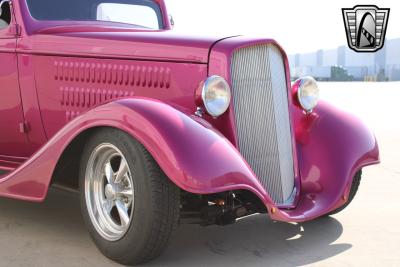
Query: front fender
<point x="193" y="155"/>
<point x="332" y="146"/>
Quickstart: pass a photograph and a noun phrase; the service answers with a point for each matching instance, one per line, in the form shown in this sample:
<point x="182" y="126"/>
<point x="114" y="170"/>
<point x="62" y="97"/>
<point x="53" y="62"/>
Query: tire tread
<point x="353" y="191"/>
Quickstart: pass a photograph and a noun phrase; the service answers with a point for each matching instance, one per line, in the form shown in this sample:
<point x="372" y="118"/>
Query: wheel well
<point x="66" y="173"/>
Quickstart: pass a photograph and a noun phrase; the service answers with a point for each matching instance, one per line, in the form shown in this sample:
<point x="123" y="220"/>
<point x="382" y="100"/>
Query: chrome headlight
<point x="215" y="95"/>
<point x="307" y="92"/>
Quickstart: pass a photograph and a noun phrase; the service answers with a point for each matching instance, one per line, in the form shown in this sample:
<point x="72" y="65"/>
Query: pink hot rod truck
<point x="155" y="128"/>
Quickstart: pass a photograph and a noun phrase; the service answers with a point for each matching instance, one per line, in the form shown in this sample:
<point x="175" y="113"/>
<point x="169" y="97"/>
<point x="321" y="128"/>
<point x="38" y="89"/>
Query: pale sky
<point x="299" y="26"/>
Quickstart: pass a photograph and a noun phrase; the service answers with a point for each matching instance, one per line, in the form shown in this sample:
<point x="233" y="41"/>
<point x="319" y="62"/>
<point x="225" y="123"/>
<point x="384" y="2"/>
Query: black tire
<point x="353" y="191"/>
<point x="156" y="202"/>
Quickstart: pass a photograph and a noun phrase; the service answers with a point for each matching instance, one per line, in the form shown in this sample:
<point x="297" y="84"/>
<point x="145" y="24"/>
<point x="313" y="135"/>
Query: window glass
<point x="5" y="15"/>
<point x="131" y="14"/>
<point x="137" y="13"/>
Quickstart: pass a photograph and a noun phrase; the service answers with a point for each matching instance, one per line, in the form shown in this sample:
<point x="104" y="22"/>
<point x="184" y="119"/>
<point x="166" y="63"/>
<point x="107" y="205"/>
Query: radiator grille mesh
<point x="262" y="117"/>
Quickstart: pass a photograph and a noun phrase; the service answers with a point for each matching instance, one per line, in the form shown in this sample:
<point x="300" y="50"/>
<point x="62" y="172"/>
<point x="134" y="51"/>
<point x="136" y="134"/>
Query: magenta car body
<point x="60" y="80"/>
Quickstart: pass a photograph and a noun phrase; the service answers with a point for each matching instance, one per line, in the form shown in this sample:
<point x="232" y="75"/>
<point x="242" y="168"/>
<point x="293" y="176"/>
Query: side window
<point x="5" y="14"/>
<point x="139" y="15"/>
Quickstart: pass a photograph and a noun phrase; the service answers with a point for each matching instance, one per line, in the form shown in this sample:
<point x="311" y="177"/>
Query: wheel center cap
<point x="110" y="192"/>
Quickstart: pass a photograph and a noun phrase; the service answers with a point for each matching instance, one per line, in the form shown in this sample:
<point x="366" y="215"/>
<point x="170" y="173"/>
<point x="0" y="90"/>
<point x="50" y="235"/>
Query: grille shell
<point x="260" y="99"/>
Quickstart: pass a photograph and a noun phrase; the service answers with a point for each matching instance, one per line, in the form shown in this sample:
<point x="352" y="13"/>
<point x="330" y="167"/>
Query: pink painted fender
<point x="196" y="157"/>
<point x="332" y="146"/>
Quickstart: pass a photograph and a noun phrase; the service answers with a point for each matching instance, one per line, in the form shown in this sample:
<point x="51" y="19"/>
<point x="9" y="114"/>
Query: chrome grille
<point x="260" y="99"/>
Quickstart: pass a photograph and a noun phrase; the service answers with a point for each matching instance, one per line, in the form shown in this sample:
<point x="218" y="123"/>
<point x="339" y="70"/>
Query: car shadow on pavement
<point x="53" y="234"/>
<point x="255" y="241"/>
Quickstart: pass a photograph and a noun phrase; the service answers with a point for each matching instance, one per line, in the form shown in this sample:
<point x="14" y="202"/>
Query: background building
<point x="343" y="63"/>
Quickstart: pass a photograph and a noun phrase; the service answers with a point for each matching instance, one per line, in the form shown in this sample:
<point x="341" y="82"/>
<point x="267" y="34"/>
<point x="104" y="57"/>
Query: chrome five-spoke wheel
<point x="129" y="205"/>
<point x="109" y="192"/>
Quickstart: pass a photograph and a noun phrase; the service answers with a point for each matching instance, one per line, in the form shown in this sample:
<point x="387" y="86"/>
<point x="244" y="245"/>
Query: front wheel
<point x="128" y="204"/>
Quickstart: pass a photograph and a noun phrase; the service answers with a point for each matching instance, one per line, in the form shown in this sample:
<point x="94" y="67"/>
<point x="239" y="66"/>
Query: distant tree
<point x="338" y="73"/>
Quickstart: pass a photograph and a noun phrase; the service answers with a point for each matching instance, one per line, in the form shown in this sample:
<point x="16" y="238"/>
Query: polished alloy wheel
<point x="109" y="192"/>
<point x="121" y="188"/>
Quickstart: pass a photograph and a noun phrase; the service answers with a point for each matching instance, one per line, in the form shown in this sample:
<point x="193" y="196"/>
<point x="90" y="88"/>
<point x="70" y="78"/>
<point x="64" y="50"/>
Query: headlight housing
<point x="307" y="92"/>
<point x="215" y="95"/>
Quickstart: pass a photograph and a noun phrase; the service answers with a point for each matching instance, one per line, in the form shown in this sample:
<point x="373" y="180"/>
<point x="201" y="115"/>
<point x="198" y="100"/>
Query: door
<point x="13" y="139"/>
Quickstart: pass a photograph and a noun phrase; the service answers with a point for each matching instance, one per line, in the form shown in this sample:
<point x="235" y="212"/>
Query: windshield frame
<point x="33" y="25"/>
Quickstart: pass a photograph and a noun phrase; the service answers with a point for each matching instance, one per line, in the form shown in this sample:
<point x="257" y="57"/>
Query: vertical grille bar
<point x="262" y="117"/>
